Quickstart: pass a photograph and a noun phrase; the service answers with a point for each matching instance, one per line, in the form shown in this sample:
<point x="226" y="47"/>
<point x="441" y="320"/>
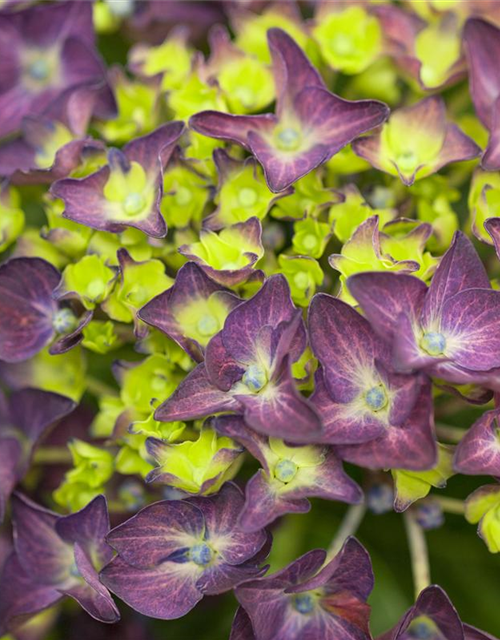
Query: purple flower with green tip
<point x="450" y="330"/>
<point x="478" y="452"/>
<point x="174" y="552"/>
<point x="127" y="191"/>
<point x="45" y="50"/>
<point x="289" y="476"/>
<point x="433" y="617"/>
<point x="482" y="48"/>
<point x="247" y="370"/>
<point x="308" y="599"/>
<point x="53" y="144"/>
<point x="56" y="556"/>
<point x="25" y="417"/>
<point x="192" y="311"/>
<point x="309" y="127"/>
<point x="416" y="142"/>
<point x="30" y="317"/>
<point x="383" y="418"/>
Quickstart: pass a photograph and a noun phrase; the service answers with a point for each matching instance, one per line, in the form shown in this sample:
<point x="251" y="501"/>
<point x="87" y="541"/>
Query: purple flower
<point x="385" y="418"/>
<point x="450" y="330"/>
<point x="289" y="476"/>
<point x="309" y="600"/>
<point x="128" y="190"/>
<point x="478" y="452"/>
<point x="53" y="144"/>
<point x="433" y="617"/>
<point x="482" y="47"/>
<point x="310" y="126"/>
<point x="56" y="556"/>
<point x="25" y="417"/>
<point x="247" y="370"/>
<point x="174" y="552"/>
<point x="30" y="317"/>
<point x="44" y="50"/>
<point x="191" y="311"/>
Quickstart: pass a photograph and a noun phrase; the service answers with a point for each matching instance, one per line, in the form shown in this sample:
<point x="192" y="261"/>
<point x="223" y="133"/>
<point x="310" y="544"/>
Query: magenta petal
<point x="92" y="595"/>
<point x="460" y="268"/>
<point x="478" y="453"/>
<point x="26" y="307"/>
<point x="145" y="589"/>
<point x="195" y="397"/>
<point x="385" y="296"/>
<point x="152" y="535"/>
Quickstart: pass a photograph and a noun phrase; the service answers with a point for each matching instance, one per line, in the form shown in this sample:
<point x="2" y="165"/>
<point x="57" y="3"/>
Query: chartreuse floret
<point x="311" y="237"/>
<point x="11" y="217"/>
<point x="483" y="507"/>
<point x="128" y="189"/>
<point x="247" y="84"/>
<point x="63" y="374"/>
<point x="90" y="279"/>
<point x="308" y="197"/>
<point x="100" y="336"/>
<point x="437" y="48"/>
<point x="202" y="318"/>
<point x="349" y="40"/>
<point x="92" y="468"/>
<point x="484" y="202"/>
<point x="186" y="194"/>
<point x="69" y="237"/>
<point x="304" y="275"/>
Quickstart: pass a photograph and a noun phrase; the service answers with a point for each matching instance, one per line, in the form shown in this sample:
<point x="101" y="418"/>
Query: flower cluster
<point x="249" y="270"/>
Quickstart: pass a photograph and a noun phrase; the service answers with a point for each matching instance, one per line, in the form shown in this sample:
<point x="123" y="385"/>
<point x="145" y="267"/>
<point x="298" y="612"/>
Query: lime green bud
<point x="100" y="336"/>
<point x="63" y="374"/>
<point x="11" y="217"/>
<point x="303" y="274"/>
<point x="311" y="237"/>
<point x="483" y="507"/>
<point x="90" y="279"/>
<point x="185" y="196"/>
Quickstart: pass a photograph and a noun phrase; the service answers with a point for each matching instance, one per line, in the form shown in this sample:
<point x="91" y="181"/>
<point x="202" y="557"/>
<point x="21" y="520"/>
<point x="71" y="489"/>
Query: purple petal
<point x="34" y="410"/>
<point x="281" y="411"/>
<point x="234" y="427"/>
<point x="145" y="589"/>
<point x="460" y="268"/>
<point x="478" y="453"/>
<point x="385" y="296"/>
<point x="471" y="633"/>
<point x="409" y="446"/>
<point x="195" y="397"/>
<point x="44" y="556"/>
<point x="241" y="628"/>
<point x="88" y="528"/>
<point x="10" y="460"/>
<point x="26" y="307"/>
<point x="154" y="149"/>
<point x="92" y="595"/>
<point x="157" y="531"/>
<point x="492" y="226"/>
<point x="224" y="577"/>
<point x="225" y="126"/>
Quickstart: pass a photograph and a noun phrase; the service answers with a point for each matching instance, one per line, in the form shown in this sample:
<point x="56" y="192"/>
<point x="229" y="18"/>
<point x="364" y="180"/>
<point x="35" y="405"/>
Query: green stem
<point x="348" y="527"/>
<point x="418" y="552"/>
<point x="451" y="505"/>
<point x="99" y="388"/>
<point x="449" y="433"/>
<point x="52" y="455"/>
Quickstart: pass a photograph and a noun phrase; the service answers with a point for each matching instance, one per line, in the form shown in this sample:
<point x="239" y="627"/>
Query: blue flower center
<point x="207" y="325"/>
<point x="285" y="470"/>
<point x="379" y="498"/>
<point x="376" y="398"/>
<point x="288" y="139"/>
<point x="247" y="197"/>
<point x="64" y="321"/>
<point x="255" y="378"/>
<point x="433" y="343"/>
<point x="39" y="70"/>
<point x="133" y="204"/>
<point x="304" y="603"/>
<point x="421" y="630"/>
<point x="201" y="554"/>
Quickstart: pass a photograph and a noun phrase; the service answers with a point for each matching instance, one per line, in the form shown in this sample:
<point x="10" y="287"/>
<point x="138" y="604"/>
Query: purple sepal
<point x="241" y="628"/>
<point x="478" y="452"/>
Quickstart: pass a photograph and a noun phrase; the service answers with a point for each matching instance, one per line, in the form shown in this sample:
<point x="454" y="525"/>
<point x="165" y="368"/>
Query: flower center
<point x="255" y="378"/>
<point x="407" y="161"/>
<point x="207" y="325"/>
<point x="288" y="139"/>
<point x="247" y="197"/>
<point x="201" y="554"/>
<point x="183" y="196"/>
<point x="310" y="241"/>
<point x="74" y="571"/>
<point x="433" y="343"/>
<point x="301" y="280"/>
<point x="95" y="288"/>
<point x="303" y="603"/>
<point x="133" y="203"/>
<point x="421" y="630"/>
<point x="343" y="44"/>
<point x="39" y="70"/>
<point x="64" y="320"/>
<point x="246" y="96"/>
<point x="285" y="470"/>
<point x="376" y="398"/>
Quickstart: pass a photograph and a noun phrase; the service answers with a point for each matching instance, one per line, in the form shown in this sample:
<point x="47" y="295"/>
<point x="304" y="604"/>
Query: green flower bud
<point x="11" y="217"/>
<point x="311" y="237"/>
<point x="90" y="279"/>
<point x="483" y="507"/>
<point x="100" y="336"/>
<point x="303" y="274"/>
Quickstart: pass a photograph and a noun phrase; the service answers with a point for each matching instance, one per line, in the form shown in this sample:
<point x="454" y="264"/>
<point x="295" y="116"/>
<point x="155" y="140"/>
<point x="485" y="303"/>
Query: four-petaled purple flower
<point x="384" y="419"/>
<point x="56" y="556"/>
<point x="450" y="330"/>
<point x="308" y="599"/>
<point x="247" y="370"/>
<point x="30" y="317"/>
<point x="310" y="126"/>
<point x="174" y="552"/>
